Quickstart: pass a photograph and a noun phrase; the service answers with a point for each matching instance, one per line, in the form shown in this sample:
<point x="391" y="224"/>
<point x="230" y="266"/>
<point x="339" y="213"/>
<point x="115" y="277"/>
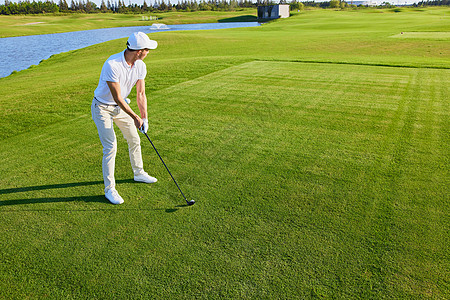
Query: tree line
<point x="336" y="4"/>
<point x="113" y="6"/>
<point x="433" y="3"/>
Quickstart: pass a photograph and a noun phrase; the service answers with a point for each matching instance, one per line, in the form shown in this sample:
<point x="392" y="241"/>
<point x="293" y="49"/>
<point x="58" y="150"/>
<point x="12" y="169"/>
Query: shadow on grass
<point x="87" y="199"/>
<point x="97" y="198"/>
<point x="246" y="18"/>
<point x="56" y="186"/>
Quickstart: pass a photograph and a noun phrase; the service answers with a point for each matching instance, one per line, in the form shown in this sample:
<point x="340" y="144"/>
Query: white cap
<point x="139" y="41"/>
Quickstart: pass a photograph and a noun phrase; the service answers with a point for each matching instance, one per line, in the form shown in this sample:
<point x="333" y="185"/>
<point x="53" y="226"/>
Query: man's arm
<point x="114" y="87"/>
<point x="141" y="98"/>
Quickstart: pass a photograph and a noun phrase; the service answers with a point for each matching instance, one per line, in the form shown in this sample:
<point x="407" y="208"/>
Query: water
<point x="157" y="26"/>
<point x="19" y="53"/>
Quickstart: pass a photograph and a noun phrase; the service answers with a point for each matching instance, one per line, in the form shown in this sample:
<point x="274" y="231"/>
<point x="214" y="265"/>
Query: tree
<point x="88" y="7"/>
<point x="334" y="4"/>
<point x="103" y="7"/>
<point x="163" y="6"/>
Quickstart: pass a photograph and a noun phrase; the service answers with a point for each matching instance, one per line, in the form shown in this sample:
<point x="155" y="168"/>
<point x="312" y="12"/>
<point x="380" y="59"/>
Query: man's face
<point x="142" y="54"/>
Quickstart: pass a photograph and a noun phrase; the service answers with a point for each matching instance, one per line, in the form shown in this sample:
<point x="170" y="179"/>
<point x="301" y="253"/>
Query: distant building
<point x="273" y="11"/>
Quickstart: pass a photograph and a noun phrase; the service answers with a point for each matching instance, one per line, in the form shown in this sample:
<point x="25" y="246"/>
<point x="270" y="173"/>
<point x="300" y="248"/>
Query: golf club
<point x="192" y="202"/>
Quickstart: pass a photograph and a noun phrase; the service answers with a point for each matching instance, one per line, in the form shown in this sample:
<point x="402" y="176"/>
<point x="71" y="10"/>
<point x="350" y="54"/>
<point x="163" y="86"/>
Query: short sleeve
<point x="142" y="70"/>
<point x="110" y="72"/>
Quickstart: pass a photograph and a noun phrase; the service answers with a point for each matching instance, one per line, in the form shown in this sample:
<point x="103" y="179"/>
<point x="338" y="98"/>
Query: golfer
<point x="120" y="73"/>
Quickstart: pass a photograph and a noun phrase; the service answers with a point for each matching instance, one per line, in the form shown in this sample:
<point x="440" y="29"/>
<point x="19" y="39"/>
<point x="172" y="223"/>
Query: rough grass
<point x="312" y="180"/>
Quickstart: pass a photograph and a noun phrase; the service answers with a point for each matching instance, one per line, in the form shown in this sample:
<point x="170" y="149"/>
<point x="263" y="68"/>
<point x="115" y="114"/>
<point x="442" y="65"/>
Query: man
<point x="120" y="73"/>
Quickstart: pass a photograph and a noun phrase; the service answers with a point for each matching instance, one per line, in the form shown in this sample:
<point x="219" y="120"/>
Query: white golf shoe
<point x="144" y="177"/>
<point x="113" y="196"/>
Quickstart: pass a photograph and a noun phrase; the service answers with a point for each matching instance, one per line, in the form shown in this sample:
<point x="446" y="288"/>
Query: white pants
<point x="104" y="116"/>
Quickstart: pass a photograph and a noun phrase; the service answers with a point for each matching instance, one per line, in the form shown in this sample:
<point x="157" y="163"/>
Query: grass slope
<point x="44" y="24"/>
<point x="312" y="180"/>
<point x="313" y="36"/>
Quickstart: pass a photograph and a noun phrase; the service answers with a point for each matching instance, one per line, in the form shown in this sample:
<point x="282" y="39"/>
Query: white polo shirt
<point x="116" y="69"/>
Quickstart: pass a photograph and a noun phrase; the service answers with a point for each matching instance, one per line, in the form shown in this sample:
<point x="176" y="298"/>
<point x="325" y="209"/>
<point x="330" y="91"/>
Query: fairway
<point x="289" y="180"/>
<point x="324" y="179"/>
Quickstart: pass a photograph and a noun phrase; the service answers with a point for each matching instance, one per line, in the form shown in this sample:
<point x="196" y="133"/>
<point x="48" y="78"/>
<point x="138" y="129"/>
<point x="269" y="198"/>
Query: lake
<point x="19" y="53"/>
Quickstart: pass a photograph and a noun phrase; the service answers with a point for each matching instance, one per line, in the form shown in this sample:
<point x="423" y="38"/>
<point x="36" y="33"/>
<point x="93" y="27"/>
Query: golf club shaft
<point x="166" y="167"/>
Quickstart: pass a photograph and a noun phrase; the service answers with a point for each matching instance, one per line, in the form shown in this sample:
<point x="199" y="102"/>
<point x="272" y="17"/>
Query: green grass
<point x="317" y="172"/>
<point x="44" y="24"/>
<point x="424" y="35"/>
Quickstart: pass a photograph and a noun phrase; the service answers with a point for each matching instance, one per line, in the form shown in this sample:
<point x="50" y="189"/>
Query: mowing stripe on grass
<point x="393" y="65"/>
<point x="312" y="180"/>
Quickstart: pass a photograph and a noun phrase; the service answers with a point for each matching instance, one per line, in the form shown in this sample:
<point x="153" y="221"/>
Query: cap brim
<point x="152" y="45"/>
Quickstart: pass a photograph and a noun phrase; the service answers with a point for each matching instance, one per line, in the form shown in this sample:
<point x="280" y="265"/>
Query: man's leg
<point x="129" y="131"/>
<point x="103" y="118"/>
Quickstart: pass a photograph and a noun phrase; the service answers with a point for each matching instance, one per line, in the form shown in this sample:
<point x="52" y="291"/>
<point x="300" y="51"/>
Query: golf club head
<point x="192" y="202"/>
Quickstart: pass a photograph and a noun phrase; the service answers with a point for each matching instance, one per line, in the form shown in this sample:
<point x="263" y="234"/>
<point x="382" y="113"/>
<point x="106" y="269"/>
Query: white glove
<point x="144" y="127"/>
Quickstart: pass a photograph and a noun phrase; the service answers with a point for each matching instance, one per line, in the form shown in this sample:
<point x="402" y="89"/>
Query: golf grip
<point x="165" y="166"/>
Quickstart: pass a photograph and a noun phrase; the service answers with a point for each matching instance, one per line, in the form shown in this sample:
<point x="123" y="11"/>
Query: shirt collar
<point x="124" y="62"/>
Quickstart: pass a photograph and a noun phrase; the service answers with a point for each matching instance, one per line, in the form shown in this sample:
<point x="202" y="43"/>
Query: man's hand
<point x="144" y="127"/>
<point x="138" y="122"/>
